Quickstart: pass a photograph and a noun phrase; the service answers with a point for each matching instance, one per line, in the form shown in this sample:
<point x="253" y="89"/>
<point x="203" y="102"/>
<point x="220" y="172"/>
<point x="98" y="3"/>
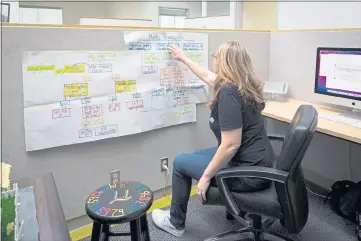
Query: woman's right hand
<point x="176" y="52"/>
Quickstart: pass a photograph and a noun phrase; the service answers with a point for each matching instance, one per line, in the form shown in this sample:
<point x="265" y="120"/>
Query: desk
<point x="49" y="212"/>
<point x="284" y="111"/>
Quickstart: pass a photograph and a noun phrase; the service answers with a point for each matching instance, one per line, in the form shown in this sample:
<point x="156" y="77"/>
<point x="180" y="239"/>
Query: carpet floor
<point x="206" y="221"/>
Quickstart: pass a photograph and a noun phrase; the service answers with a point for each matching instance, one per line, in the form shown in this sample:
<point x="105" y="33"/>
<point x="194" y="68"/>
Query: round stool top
<point x="119" y="203"/>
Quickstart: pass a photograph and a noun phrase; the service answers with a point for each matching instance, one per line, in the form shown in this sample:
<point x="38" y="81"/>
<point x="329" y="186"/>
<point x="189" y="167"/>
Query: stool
<point x="121" y="203"/>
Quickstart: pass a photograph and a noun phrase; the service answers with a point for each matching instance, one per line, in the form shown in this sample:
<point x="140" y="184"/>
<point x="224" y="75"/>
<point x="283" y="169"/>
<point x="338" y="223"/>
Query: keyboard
<point x="342" y="119"/>
<point x="357" y="125"/>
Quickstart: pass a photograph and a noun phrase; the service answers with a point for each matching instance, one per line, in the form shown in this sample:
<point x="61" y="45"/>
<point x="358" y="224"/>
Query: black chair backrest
<point x="293" y="195"/>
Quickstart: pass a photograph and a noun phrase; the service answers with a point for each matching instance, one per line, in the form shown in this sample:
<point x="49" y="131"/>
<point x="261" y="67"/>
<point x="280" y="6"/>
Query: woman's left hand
<point x="203" y="185"/>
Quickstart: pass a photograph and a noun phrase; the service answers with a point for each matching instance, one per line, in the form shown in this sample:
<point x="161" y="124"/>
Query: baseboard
<point x="315" y="188"/>
<point x="318" y="178"/>
<point x="86" y="230"/>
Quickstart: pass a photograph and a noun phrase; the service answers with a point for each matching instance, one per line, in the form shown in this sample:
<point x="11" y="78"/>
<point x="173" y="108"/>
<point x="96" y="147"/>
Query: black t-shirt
<point x="231" y="111"/>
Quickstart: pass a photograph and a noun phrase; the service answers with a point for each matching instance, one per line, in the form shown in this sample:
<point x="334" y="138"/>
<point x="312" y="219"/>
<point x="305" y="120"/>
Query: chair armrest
<point x="247" y="171"/>
<point x="267" y="173"/>
<point x="276" y="137"/>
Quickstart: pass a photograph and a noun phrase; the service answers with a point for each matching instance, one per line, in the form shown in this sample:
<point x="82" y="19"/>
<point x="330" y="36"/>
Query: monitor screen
<point x="338" y="72"/>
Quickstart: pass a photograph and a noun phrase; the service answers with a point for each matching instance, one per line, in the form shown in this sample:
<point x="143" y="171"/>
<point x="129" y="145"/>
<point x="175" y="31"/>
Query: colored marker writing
<point x="124" y="198"/>
<point x="61" y="113"/>
<point x="91" y="111"/>
<point x="106" y="130"/>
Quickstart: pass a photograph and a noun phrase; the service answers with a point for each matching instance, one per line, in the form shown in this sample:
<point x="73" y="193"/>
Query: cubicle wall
<point x="79" y="169"/>
<point x="293" y="60"/>
<point x="293" y="57"/>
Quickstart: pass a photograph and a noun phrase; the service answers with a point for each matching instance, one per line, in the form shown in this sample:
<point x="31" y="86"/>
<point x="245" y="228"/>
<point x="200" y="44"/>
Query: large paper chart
<point x="80" y="96"/>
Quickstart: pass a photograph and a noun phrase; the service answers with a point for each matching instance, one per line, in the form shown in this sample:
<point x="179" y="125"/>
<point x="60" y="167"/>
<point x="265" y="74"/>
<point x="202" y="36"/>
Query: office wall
<point x="293" y="58"/>
<point x="79" y="169"/>
<point x="318" y="15"/>
<point x="216" y="22"/>
<point x="116" y="22"/>
<point x="218" y="8"/>
<point x="150" y="10"/>
<point x="74" y="10"/>
<point x="259" y="15"/>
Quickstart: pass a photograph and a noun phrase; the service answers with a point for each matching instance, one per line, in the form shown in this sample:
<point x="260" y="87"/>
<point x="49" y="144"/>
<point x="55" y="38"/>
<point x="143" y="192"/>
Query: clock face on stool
<point x="119" y="200"/>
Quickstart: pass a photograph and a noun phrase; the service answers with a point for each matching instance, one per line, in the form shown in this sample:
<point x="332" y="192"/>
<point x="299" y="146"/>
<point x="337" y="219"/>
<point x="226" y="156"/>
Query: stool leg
<point x="105" y="230"/>
<point x="96" y="231"/>
<point x="145" y="228"/>
<point x="135" y="230"/>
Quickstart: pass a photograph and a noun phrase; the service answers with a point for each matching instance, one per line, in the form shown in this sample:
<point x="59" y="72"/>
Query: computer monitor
<point x="338" y="76"/>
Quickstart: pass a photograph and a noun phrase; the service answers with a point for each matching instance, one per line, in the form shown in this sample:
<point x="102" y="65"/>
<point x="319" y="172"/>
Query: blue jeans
<point x="186" y="167"/>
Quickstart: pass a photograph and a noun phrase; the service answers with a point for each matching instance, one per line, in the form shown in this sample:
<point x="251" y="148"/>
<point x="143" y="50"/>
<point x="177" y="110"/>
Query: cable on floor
<point x="316" y="194"/>
<point x="166" y="180"/>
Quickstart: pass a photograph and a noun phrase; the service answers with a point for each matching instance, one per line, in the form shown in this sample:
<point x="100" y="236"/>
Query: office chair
<point x="286" y="198"/>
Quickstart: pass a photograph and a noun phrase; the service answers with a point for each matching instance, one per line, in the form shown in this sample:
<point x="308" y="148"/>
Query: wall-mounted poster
<point x="5" y="12"/>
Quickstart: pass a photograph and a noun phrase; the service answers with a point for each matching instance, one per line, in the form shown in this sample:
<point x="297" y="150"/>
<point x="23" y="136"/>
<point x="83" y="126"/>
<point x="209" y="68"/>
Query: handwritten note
<point x="114" y="107"/>
<point x="123" y="86"/>
<point x="92" y="111"/>
<point x="172" y="77"/>
<point x="72" y="69"/>
<point x="135" y="105"/>
<point x="40" y="68"/>
<point x="73" y="90"/>
<point x="187" y="110"/>
<point x="193" y="46"/>
<point x="85" y="133"/>
<point x="106" y="130"/>
<point x="149" y="58"/>
<point x="100" y="68"/>
<point x="140" y="46"/>
<point x="98" y="57"/>
<point x="61" y="113"/>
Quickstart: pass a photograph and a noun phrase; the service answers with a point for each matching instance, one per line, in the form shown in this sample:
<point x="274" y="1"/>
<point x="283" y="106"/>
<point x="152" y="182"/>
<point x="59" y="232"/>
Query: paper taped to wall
<point x="80" y="96"/>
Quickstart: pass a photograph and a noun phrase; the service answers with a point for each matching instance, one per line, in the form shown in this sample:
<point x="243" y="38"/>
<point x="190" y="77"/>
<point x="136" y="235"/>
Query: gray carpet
<point x="206" y="221"/>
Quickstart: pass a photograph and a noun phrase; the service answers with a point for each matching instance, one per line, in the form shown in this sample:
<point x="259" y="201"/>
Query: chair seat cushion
<point x="262" y="202"/>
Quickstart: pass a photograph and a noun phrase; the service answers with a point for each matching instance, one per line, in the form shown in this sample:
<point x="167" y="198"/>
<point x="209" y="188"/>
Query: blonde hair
<point x="235" y="67"/>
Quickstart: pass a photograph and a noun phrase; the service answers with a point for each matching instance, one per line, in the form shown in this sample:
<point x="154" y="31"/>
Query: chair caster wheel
<point x="229" y="216"/>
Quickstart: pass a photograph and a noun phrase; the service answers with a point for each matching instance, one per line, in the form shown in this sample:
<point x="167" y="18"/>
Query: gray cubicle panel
<point x="293" y="60"/>
<point x="293" y="57"/>
<point x="81" y="168"/>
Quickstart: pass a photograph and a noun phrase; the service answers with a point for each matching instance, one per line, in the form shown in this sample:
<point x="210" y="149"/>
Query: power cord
<point x="165" y="167"/>
<point x="316" y="194"/>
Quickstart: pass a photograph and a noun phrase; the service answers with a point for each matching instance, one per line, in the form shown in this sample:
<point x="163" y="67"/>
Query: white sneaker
<point x="161" y="218"/>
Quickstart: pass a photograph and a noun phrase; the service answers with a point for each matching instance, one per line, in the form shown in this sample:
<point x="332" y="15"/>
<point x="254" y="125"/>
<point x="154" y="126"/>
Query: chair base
<point x="249" y="234"/>
<point x="256" y="229"/>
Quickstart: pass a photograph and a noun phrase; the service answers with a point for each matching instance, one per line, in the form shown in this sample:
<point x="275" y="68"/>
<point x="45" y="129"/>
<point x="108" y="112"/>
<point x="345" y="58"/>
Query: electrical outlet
<point x="163" y="162"/>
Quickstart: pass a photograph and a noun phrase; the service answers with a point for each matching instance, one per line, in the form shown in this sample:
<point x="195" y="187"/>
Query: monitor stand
<point x="353" y="113"/>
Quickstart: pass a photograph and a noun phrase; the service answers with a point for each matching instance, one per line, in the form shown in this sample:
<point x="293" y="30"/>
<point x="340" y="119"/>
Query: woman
<point x="237" y="123"/>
